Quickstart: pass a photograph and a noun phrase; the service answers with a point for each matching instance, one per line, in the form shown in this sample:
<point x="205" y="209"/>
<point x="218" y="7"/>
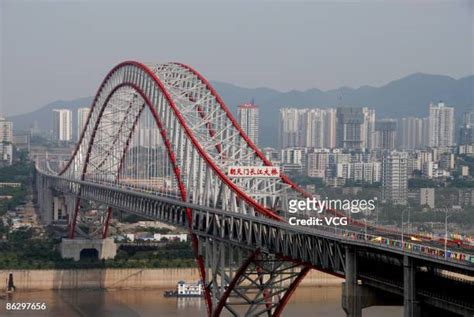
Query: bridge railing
<point x="410" y="247"/>
<point x="329" y="231"/>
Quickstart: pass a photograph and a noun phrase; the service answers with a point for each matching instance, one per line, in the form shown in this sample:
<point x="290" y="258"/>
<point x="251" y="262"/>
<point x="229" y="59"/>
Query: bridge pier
<point x="72" y="248"/>
<point x="411" y="306"/>
<point x="45" y="199"/>
<point x="351" y="300"/>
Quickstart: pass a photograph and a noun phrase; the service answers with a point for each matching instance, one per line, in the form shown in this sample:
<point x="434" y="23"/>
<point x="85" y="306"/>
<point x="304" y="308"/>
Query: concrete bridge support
<point x="411" y="306"/>
<point x="45" y="199"/>
<point x="351" y="299"/>
<point x="357" y="296"/>
<point x="72" y="248"/>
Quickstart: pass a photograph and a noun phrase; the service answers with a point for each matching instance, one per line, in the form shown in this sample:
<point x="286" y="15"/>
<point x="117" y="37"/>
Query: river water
<point x="306" y="301"/>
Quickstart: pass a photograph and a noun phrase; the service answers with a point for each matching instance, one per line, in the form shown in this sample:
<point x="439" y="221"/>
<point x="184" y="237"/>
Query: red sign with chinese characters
<point x="253" y="171"/>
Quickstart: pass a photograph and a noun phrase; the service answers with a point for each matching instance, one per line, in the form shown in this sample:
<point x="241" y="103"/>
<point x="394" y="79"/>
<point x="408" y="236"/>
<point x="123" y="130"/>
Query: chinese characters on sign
<point x="253" y="171"/>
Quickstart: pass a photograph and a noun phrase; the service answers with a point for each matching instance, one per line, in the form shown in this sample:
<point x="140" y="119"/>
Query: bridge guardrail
<point x="378" y="240"/>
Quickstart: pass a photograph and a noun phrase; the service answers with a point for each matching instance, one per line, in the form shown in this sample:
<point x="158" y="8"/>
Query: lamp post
<point x="446" y="232"/>
<point x="403" y="211"/>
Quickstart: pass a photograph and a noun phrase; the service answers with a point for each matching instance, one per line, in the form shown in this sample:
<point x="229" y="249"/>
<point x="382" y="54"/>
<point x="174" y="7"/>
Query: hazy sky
<point x="54" y="50"/>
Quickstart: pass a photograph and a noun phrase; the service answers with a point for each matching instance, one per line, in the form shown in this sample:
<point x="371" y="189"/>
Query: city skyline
<point x="317" y="127"/>
<point x="313" y="64"/>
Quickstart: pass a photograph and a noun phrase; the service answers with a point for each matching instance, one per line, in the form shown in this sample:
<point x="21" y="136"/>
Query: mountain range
<point x="408" y="96"/>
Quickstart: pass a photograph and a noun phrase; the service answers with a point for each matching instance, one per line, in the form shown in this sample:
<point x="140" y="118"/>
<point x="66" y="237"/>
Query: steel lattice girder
<point x="241" y="230"/>
<point x="311" y="248"/>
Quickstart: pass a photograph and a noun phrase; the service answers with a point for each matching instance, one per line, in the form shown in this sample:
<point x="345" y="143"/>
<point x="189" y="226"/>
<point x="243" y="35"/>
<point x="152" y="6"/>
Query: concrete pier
<point x="72" y="248"/>
<point x="410" y="304"/>
<point x="351" y="301"/>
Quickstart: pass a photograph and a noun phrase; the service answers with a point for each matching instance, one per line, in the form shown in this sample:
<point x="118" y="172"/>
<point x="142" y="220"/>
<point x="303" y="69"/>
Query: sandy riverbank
<point x="123" y="278"/>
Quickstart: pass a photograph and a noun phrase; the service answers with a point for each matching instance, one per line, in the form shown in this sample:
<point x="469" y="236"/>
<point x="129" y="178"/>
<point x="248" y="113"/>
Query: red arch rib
<point x="290" y="291"/>
<point x="188" y="132"/>
<point x="176" y="169"/>
<point x="201" y="151"/>
<point x="194" y="141"/>
<point x="237" y="126"/>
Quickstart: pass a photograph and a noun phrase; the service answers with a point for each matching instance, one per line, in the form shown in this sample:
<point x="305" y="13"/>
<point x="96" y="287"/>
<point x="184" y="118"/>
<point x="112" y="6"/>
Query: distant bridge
<point x="159" y="142"/>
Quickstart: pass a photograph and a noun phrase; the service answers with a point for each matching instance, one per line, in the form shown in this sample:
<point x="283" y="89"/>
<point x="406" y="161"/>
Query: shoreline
<point x="31" y="280"/>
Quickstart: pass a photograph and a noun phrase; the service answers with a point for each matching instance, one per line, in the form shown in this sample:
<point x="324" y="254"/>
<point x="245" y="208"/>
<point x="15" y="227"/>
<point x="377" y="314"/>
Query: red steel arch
<point x="237" y="126"/>
<point x="172" y="157"/>
<point x="222" y="176"/>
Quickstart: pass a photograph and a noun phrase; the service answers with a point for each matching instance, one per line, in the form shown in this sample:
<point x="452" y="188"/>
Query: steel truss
<point x="162" y="129"/>
<point x="158" y="142"/>
<point x="242" y="250"/>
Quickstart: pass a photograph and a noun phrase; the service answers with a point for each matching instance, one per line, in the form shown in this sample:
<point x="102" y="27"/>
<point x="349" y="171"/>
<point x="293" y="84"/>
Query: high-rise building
<point x="6" y="154"/>
<point x="317" y="163"/>
<point x="368" y="129"/>
<point x="248" y="120"/>
<point x="6" y="130"/>
<point x="466" y="135"/>
<point x="355" y="128"/>
<point x="293" y="160"/>
<point x="314" y="127"/>
<point x="349" y="128"/>
<point x="468" y="118"/>
<point x="82" y="114"/>
<point x="410" y="133"/>
<point x="385" y="134"/>
<point x="330" y="126"/>
<point x="290" y="127"/>
<point x="425" y="136"/>
<point x="466" y="132"/>
<point x="62" y="124"/>
<point x="441" y="125"/>
<point x="359" y="171"/>
<point x="395" y="178"/>
<point x="6" y="140"/>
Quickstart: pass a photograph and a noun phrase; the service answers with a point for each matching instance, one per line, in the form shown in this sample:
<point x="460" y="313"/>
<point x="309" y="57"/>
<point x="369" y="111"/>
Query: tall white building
<point x="317" y="163"/>
<point x="6" y="154"/>
<point x="82" y="114"/>
<point x="308" y="127"/>
<point x="248" y="120"/>
<point x="312" y="134"/>
<point x="368" y="128"/>
<point x="62" y="124"/>
<point x="290" y="127"/>
<point x="6" y="140"/>
<point x="6" y="131"/>
<point x="441" y="125"/>
<point x="330" y="126"/>
<point x="395" y="178"/>
<point x="293" y="159"/>
<point x="318" y="128"/>
<point x="359" y="171"/>
<point x="410" y="132"/>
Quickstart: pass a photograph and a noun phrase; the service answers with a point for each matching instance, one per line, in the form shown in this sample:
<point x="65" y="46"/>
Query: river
<point x="306" y="301"/>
